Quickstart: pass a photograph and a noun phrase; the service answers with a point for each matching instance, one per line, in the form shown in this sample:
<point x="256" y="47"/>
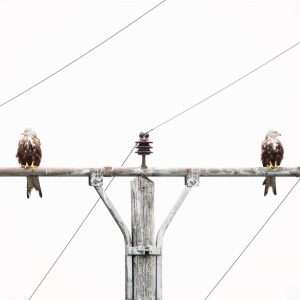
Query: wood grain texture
<point x="160" y="238"/>
<point x="114" y="213"/>
<point x="127" y="239"/>
<point x="152" y="172"/>
<point x="142" y="222"/>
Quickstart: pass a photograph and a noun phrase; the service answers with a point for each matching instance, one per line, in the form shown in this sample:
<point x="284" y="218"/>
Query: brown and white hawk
<point x="271" y="157"/>
<point x="29" y="155"/>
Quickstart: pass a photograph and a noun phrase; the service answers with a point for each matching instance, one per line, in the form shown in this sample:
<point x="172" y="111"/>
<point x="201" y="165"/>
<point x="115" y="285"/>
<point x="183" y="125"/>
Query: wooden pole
<point x="142" y="222"/>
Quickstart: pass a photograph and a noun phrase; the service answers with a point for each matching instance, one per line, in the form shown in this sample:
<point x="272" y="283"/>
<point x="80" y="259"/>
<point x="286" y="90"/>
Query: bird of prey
<point x="29" y="155"/>
<point x="271" y="157"/>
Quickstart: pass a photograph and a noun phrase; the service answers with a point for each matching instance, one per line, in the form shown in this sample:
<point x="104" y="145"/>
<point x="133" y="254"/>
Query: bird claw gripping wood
<point x="96" y="178"/>
<point x="193" y="177"/>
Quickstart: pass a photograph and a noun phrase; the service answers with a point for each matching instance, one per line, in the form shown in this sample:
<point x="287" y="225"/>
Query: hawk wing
<point x="271" y="152"/>
<point x="29" y="151"/>
<point x="36" y="151"/>
<point x="279" y="153"/>
<point x="22" y="152"/>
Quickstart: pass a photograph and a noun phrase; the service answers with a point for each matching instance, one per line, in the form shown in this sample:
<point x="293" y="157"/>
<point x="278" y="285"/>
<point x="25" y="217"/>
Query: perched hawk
<point x="29" y="155"/>
<point x="271" y="157"/>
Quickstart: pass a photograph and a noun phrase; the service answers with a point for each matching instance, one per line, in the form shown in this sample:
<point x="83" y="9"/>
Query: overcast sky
<point x="90" y="115"/>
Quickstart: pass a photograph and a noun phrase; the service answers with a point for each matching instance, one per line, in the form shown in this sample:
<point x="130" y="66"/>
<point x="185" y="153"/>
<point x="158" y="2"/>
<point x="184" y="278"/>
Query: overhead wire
<point x="73" y="61"/>
<point x="222" y="89"/>
<point x="41" y="81"/>
<point x="75" y="233"/>
<point x="232" y="83"/>
<point x="124" y="161"/>
<point x="251" y="240"/>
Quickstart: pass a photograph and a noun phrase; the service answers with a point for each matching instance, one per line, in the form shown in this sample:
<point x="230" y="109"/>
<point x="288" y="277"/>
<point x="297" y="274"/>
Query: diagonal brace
<point x="96" y="180"/>
<point x="191" y="180"/>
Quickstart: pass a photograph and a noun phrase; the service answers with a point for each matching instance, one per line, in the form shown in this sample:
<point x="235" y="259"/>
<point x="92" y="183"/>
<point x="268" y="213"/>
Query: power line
<point x="82" y="55"/>
<point x="252" y="240"/>
<point x="63" y="250"/>
<point x="154" y="128"/>
<point x="232" y="83"/>
<point x="75" y="232"/>
<point x="124" y="161"/>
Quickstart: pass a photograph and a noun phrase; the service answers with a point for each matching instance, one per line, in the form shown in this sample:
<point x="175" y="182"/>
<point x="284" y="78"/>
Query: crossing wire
<point x="230" y="84"/>
<point x="75" y="233"/>
<point x="70" y="63"/>
<point x="124" y="161"/>
<point x="252" y="240"/>
<point x="148" y="131"/>
<point x="151" y="130"/>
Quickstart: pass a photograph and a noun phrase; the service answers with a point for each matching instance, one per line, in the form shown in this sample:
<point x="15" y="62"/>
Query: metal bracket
<point x="96" y="178"/>
<point x="143" y="251"/>
<point x="193" y="178"/>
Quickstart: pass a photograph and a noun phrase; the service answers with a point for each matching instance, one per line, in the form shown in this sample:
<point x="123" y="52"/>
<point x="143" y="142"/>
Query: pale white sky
<point x="90" y="115"/>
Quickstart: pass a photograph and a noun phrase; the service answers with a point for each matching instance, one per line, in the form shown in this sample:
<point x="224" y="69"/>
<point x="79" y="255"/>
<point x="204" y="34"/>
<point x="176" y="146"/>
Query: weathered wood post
<point x="142" y="222"/>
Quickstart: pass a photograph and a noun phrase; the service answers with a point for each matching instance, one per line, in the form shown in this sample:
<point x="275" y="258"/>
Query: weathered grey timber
<point x="160" y="238"/>
<point x="142" y="222"/>
<point x="115" y="215"/>
<point x="96" y="180"/>
<point x="191" y="180"/>
<point x="143" y="257"/>
<point x="152" y="172"/>
<point x="163" y="228"/>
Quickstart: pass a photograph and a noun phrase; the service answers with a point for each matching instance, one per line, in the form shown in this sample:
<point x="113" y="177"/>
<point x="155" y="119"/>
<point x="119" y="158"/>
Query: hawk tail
<point x="33" y="182"/>
<point x="270" y="182"/>
<point x="273" y="184"/>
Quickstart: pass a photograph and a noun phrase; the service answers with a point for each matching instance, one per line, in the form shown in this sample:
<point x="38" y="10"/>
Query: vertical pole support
<point x="142" y="222"/>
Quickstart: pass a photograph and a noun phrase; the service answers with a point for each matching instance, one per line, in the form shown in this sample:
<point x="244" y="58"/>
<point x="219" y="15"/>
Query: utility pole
<point x="143" y="252"/>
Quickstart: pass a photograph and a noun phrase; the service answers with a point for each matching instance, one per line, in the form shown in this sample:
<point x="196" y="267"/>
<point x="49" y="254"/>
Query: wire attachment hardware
<point x="193" y="178"/>
<point x="143" y="147"/>
<point x="96" y="178"/>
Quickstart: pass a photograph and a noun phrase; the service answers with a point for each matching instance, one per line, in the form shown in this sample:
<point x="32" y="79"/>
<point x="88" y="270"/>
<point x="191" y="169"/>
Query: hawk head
<point x="273" y="134"/>
<point x="29" y="132"/>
